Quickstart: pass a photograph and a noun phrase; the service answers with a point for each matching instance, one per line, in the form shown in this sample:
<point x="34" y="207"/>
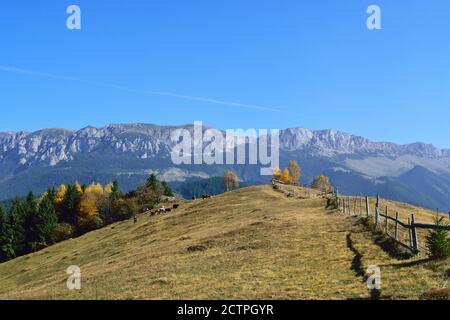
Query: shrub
<point x="62" y="231"/>
<point x="438" y="242"/>
<point x="123" y="209"/>
<point x="37" y="246"/>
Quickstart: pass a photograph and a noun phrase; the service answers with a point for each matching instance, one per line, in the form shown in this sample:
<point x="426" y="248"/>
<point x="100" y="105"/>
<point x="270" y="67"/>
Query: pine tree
<point x="17" y="215"/>
<point x="46" y="221"/>
<point x="6" y="238"/>
<point x="70" y="205"/>
<point x="167" y="191"/>
<point x="31" y="211"/>
<point x="113" y="189"/>
<point x="40" y="222"/>
<point x="152" y="182"/>
<point x="438" y="241"/>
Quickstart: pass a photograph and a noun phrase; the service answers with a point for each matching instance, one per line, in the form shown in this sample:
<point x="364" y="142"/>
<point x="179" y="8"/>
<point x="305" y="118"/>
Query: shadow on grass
<point x="375" y="294"/>
<point x="388" y="245"/>
<point x="356" y="262"/>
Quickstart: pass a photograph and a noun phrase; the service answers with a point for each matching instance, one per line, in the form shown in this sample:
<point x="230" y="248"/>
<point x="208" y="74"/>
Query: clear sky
<point x="231" y="64"/>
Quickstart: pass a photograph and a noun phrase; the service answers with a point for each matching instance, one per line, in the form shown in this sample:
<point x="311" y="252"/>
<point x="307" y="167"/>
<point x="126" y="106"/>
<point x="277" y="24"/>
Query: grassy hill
<point x="254" y="243"/>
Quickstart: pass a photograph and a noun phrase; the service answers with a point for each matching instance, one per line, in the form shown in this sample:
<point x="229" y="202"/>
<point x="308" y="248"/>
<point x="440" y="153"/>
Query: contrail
<point x="119" y="87"/>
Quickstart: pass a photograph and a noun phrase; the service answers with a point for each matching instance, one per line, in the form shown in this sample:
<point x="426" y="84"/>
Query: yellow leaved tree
<point x="295" y="171"/>
<point x="286" y="176"/>
<point x="88" y="215"/>
<point x="322" y="183"/>
<point x="276" y="173"/>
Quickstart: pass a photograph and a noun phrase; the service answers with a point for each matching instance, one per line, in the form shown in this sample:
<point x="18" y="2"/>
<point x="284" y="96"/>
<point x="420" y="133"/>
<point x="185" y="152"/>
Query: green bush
<point x="62" y="231"/>
<point x="37" y="246"/>
<point x="438" y="242"/>
<point x="124" y="209"/>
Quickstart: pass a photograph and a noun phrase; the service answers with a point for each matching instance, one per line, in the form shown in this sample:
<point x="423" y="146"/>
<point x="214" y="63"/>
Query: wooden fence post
<point x="410" y="234"/>
<point x="367" y="207"/>
<point x="376" y="216"/>
<point x="396" y="226"/>
<point x="349" y="208"/>
<point x="414" y="234"/>
<point x="354" y="207"/>
<point x="360" y="206"/>
<point x="387" y="220"/>
<point x="337" y="198"/>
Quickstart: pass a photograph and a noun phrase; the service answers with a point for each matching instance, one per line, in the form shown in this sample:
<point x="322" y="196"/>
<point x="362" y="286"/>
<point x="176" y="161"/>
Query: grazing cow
<point x="175" y="206"/>
<point x="162" y="209"/>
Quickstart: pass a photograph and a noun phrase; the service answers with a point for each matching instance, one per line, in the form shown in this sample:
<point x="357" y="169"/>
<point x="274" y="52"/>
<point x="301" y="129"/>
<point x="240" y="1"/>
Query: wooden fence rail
<point x="349" y="207"/>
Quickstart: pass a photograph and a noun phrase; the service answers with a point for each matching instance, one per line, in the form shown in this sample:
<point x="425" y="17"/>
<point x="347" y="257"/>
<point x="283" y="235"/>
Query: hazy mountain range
<point x="417" y="173"/>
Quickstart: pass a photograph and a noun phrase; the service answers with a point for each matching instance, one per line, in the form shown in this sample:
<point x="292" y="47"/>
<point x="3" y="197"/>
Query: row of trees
<point x="71" y="210"/>
<point x="292" y="175"/>
<point x="289" y="175"/>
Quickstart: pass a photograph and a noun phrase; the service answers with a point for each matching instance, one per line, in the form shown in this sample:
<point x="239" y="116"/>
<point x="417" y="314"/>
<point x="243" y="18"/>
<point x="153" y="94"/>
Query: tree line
<point x="292" y="175"/>
<point x="32" y="224"/>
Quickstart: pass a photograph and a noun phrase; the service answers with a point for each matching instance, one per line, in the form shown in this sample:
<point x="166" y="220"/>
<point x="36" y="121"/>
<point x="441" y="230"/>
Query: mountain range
<point x="417" y="173"/>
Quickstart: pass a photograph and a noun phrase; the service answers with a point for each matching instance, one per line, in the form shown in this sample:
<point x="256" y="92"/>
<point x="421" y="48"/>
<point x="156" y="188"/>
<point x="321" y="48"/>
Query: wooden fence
<point x="405" y="233"/>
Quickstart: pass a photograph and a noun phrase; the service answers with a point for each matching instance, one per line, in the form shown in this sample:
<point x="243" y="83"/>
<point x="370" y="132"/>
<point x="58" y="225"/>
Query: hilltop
<point x="253" y="243"/>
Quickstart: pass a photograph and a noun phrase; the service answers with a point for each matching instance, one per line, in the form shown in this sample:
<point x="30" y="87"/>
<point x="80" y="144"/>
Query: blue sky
<point x="266" y="64"/>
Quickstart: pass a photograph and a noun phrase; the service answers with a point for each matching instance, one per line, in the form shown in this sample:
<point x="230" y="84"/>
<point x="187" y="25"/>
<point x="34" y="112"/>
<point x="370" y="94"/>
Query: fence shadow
<point x="388" y="245"/>
<point x="356" y="262"/>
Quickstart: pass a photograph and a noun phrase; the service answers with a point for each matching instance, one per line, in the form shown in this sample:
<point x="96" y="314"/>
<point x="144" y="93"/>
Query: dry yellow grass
<point x="254" y="243"/>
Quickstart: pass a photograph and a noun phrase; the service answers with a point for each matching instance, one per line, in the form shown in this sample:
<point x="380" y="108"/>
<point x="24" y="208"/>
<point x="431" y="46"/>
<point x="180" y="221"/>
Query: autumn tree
<point x="78" y="187"/>
<point x="286" y="176"/>
<point x="276" y="174"/>
<point x="231" y="180"/>
<point x="59" y="198"/>
<point x="88" y="217"/>
<point x="322" y="183"/>
<point x="295" y="171"/>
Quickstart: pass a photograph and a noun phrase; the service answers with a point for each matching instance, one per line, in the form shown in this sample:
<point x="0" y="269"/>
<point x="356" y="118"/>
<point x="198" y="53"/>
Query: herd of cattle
<point x="168" y="208"/>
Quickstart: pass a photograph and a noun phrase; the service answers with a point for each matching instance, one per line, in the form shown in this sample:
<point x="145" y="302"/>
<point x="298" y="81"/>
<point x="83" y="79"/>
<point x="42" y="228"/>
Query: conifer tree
<point x="39" y="223"/>
<point x="167" y="190"/>
<point x="17" y="215"/>
<point x="71" y="205"/>
<point x="438" y="241"/>
<point x="6" y="238"/>
<point x="152" y="182"/>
